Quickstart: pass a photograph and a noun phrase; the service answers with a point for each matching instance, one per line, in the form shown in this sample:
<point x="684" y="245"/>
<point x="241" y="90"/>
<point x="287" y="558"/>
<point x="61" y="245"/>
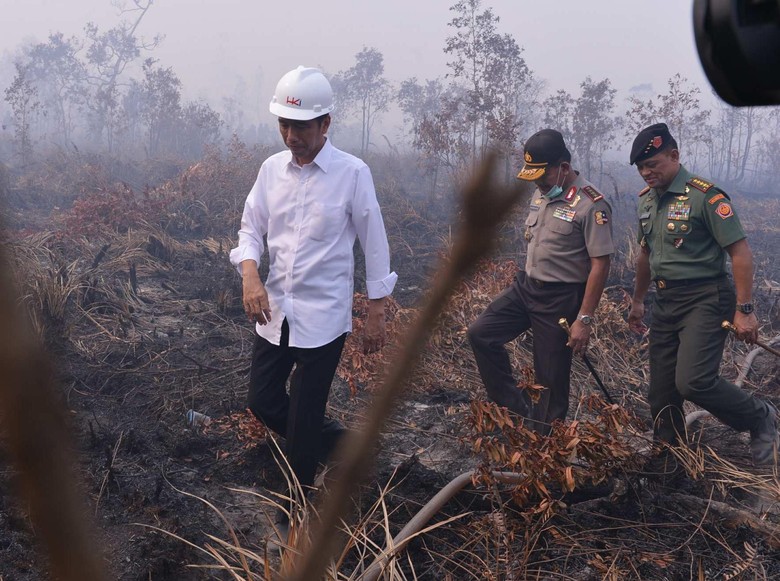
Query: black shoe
<point x="764" y="440"/>
<point x="278" y="541"/>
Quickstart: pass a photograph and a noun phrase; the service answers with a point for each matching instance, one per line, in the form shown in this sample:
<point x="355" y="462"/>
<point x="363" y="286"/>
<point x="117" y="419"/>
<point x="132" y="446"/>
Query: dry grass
<point x="118" y="307"/>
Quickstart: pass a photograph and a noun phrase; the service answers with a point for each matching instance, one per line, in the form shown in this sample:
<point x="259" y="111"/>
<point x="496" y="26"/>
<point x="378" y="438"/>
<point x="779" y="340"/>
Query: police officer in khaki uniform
<point x="687" y="225"/>
<point x="569" y="234"/>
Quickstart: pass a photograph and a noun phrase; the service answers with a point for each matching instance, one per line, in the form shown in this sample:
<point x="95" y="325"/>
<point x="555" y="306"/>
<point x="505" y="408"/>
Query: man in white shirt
<point x="310" y="202"/>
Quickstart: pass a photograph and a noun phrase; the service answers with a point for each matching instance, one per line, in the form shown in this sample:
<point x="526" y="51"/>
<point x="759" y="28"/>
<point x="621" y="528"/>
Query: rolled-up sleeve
<point x="370" y="229"/>
<point x="254" y="225"/>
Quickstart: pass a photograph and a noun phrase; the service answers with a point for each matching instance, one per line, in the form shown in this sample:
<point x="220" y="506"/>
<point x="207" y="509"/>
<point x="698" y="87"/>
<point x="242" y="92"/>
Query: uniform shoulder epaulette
<point x="591" y="192"/>
<point x="644" y="191"/>
<point x="700" y="184"/>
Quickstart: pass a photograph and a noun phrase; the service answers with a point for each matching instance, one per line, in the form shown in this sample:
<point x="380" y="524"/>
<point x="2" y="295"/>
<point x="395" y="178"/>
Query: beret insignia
<point x="657" y="141"/>
<point x="700" y="184"/>
<point x="592" y="193"/>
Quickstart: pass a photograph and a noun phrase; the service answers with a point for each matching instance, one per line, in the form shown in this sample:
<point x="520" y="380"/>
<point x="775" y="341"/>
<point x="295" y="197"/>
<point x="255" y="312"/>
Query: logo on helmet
<point x="293" y="101"/>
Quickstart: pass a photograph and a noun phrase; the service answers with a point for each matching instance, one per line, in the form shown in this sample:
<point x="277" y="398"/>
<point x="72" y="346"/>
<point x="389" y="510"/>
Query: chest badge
<point x="679" y="210"/>
<point x="670" y="226"/>
<point x="678" y="242"/>
<point x="564" y="213"/>
<point x="570" y="195"/>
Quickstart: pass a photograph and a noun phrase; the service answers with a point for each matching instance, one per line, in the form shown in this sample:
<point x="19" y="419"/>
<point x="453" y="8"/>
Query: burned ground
<point x="145" y="323"/>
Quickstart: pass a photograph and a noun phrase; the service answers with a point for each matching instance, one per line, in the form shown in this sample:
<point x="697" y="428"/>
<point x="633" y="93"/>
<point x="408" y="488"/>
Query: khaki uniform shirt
<point x="686" y="228"/>
<point x="564" y="233"/>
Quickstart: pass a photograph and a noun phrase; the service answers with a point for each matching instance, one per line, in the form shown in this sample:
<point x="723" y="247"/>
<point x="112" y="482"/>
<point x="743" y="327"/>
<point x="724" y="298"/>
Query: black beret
<point x="651" y="140"/>
<point x="542" y="148"/>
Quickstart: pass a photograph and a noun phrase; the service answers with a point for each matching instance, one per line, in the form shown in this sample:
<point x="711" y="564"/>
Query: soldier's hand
<point x="256" y="303"/>
<point x="635" y="316"/>
<point x="747" y="327"/>
<point x="579" y="337"/>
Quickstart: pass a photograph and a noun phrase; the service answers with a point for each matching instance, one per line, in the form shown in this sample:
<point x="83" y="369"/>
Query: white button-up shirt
<point x="310" y="216"/>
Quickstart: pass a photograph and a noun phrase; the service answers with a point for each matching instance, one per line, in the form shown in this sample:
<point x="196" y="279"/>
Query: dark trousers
<point x="300" y="416"/>
<point x="686" y="347"/>
<point x="525" y="305"/>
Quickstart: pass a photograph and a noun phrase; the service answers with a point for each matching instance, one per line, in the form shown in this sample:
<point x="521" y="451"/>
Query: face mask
<point x="556" y="190"/>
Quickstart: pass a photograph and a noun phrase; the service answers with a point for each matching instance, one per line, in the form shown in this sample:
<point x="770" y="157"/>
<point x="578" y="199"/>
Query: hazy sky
<point x="213" y="44"/>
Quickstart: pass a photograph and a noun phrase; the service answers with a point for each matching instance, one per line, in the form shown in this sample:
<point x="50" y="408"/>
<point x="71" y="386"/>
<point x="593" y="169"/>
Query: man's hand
<point x="375" y="332"/>
<point x="747" y="327"/>
<point x="256" y="303"/>
<point x="579" y="337"/>
<point x="635" y="317"/>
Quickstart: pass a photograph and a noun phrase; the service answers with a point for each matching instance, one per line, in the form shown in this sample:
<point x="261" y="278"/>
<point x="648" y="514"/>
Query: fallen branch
<point x="725" y="515"/>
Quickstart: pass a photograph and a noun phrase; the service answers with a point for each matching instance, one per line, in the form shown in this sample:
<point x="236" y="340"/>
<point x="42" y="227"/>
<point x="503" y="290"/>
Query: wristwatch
<point x="745" y="308"/>
<point x="585" y="319"/>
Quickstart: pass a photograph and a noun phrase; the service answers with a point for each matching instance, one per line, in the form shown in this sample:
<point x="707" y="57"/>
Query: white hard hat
<point x="302" y="94"/>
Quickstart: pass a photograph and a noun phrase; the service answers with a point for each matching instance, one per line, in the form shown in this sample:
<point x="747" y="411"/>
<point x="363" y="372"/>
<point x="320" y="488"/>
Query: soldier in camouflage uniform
<point x="687" y="226"/>
<point x="569" y="234"/>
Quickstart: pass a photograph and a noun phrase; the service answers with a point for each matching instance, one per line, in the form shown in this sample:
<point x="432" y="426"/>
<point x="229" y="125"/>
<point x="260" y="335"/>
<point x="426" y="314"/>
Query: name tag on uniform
<point x="564" y="213"/>
<point x="679" y="210"/>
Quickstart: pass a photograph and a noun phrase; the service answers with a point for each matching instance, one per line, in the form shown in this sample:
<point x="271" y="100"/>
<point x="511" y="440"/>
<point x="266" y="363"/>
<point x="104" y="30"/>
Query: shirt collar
<point x="322" y="159"/>
<point x="325" y="156"/>
<point x="678" y="183"/>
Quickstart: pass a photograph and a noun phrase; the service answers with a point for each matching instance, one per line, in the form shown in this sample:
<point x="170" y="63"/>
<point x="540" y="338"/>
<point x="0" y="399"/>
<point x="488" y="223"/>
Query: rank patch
<point x="724" y="210"/>
<point x="592" y="193"/>
<point x="601" y="218"/>
<point x="564" y="213"/>
<point x="643" y="192"/>
<point x="700" y="184"/>
<point x="716" y="197"/>
<point x="679" y="210"/>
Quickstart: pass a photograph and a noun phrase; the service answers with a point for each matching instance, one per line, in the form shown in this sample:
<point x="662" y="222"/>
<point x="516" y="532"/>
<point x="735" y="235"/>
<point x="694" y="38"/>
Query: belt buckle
<point x="660" y="283"/>
<point x="537" y="283"/>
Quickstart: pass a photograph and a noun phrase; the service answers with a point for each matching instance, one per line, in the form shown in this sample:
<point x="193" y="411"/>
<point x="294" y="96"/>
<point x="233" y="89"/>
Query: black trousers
<point x="300" y="416"/>
<point x="686" y="347"/>
<point x="525" y="305"/>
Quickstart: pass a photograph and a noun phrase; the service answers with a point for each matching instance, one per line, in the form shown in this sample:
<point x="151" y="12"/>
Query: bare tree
<point x="108" y="55"/>
<point x="558" y="113"/>
<point x="22" y="96"/>
<point x="593" y="123"/>
<point x="493" y="75"/>
<point x="59" y="75"/>
<point x="364" y="88"/>
<point x="680" y="108"/>
<point x="161" y="105"/>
